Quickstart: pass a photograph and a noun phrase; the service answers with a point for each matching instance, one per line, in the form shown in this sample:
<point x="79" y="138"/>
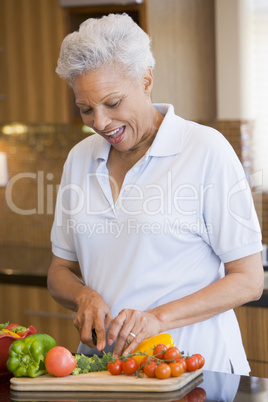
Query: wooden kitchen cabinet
<point x="30" y="89"/>
<point x="30" y="305"/>
<point x="253" y="323"/>
<point x="31" y="32"/>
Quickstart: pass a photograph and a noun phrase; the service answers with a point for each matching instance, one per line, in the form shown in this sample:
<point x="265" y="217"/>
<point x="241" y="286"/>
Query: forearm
<point x="67" y="288"/>
<point x="242" y="283"/>
<point x="199" y="306"/>
<point x="65" y="284"/>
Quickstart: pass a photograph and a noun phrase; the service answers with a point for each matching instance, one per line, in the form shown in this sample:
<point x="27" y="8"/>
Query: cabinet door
<point x="28" y="305"/>
<point x="254" y="329"/>
<point x="259" y="369"/>
<point x="30" y="36"/>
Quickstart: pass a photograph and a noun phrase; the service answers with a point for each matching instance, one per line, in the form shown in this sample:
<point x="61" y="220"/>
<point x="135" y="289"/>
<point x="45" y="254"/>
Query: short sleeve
<point x="229" y="213"/>
<point x="62" y="239"/>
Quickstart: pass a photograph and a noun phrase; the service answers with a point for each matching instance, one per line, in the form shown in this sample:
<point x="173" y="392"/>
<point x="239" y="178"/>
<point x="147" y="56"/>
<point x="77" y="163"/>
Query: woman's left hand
<point x="130" y="328"/>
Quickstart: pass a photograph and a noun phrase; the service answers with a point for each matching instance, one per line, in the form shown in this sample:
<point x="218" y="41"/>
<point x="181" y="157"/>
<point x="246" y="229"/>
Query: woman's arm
<point x="243" y="283"/>
<point x="67" y="288"/>
<point x="64" y="282"/>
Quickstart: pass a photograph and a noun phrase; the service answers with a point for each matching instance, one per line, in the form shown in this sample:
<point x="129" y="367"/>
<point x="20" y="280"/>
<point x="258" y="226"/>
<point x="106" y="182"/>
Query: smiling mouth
<point x="114" y="133"/>
<point x="111" y="133"/>
<point x="115" y="136"/>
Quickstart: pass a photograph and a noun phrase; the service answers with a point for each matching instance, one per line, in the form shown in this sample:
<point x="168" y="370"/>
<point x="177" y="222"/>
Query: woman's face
<point x="116" y="107"/>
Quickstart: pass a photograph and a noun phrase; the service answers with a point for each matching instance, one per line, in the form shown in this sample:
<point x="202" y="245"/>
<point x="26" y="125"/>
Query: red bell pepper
<point x="6" y="339"/>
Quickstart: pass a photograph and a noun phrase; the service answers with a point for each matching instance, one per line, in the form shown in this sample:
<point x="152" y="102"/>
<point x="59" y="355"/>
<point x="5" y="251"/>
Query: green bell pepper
<point x="27" y="356"/>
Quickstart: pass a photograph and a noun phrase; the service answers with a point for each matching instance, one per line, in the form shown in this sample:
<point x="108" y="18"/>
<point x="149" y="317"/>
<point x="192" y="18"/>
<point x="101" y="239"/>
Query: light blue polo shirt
<point x="184" y="208"/>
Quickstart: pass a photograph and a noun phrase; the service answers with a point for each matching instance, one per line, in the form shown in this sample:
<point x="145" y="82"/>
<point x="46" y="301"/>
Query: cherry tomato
<point x="149" y="369"/>
<point x="59" y="361"/>
<point x="177" y="369"/>
<point x="183" y="361"/>
<point x="115" y="367"/>
<point x="146" y="360"/>
<point x="201" y="359"/>
<point x="160" y="350"/>
<point x="192" y="363"/>
<point x="130" y="366"/>
<point x="172" y="353"/>
<point x="162" y="371"/>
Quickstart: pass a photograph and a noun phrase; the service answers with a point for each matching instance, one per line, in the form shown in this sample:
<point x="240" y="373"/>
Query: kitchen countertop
<point x="217" y="386"/>
<point x="23" y="265"/>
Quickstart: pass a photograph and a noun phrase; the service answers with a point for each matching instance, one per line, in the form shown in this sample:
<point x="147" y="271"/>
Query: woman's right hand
<point x="92" y="313"/>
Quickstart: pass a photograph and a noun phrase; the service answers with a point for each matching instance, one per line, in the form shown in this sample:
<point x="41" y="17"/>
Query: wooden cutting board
<point x="102" y="381"/>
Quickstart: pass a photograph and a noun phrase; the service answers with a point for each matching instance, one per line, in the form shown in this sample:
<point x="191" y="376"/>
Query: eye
<point x="85" y="111"/>
<point x="114" y="105"/>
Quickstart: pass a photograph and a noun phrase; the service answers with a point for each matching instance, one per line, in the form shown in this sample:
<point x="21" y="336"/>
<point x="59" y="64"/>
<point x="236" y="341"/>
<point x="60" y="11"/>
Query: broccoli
<point x="95" y="363"/>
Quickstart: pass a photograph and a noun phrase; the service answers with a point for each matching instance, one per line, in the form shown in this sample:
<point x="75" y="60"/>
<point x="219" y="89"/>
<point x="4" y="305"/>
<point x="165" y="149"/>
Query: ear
<point x="148" y="81"/>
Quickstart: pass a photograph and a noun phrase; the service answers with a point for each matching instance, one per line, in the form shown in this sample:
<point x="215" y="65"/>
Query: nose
<point x="101" y="120"/>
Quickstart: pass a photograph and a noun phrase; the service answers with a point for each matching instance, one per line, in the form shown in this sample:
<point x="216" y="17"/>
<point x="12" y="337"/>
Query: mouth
<point x="115" y="136"/>
<point x="112" y="132"/>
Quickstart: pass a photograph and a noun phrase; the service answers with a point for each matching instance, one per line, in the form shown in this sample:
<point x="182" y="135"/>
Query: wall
<point x="183" y="43"/>
<point x="35" y="162"/>
<point x="233" y="59"/>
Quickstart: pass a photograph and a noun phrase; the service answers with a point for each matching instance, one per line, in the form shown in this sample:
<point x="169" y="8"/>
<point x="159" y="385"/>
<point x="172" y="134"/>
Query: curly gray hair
<point x="115" y="38"/>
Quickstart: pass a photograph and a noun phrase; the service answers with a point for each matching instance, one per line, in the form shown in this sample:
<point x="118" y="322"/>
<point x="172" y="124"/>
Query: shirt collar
<point x="168" y="139"/>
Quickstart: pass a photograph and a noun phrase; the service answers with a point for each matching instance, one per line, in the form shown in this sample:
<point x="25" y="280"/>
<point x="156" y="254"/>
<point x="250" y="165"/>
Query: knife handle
<point x="94" y="337"/>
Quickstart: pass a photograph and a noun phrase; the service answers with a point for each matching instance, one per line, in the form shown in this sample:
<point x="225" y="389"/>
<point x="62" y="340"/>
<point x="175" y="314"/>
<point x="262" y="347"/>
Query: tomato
<point x="115" y="367"/>
<point x="197" y="395"/>
<point x="183" y="361"/>
<point x="146" y="360"/>
<point x="192" y="363"/>
<point x="162" y="371"/>
<point x="177" y="369"/>
<point x="59" y="361"/>
<point x="130" y="366"/>
<point x="149" y="369"/>
<point x="172" y="353"/>
<point x="201" y="360"/>
<point x="160" y="350"/>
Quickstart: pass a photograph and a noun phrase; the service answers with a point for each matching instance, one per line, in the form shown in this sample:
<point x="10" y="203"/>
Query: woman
<point x="154" y="230"/>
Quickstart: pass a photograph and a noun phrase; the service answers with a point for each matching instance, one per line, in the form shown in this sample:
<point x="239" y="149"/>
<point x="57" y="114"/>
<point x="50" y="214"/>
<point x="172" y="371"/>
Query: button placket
<point x="104" y="182"/>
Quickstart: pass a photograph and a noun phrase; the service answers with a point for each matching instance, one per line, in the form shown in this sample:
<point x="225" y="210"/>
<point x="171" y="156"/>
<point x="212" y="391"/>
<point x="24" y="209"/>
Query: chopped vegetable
<point x="95" y="363"/>
<point x="16" y="330"/>
<point x="3" y="325"/>
<point x="6" y="331"/>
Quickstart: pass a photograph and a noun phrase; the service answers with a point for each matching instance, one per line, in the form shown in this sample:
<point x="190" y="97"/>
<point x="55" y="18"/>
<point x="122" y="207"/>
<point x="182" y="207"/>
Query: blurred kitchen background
<point x="211" y="64"/>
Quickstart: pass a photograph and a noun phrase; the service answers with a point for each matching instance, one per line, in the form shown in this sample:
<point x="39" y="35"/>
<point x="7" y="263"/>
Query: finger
<point x="116" y="326"/>
<point x="101" y="326"/>
<point x="123" y="340"/>
<point x="100" y="330"/>
<point x="131" y="344"/>
<point x="86" y="334"/>
<point x="108" y="321"/>
<point x="127" y="340"/>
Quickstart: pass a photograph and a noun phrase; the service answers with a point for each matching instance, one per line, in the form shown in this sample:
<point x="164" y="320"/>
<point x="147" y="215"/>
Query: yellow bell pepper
<point x="10" y="333"/>
<point x="147" y="346"/>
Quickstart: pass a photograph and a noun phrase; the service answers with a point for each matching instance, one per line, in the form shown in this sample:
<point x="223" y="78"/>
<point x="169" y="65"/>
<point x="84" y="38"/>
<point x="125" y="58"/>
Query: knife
<point x="94" y="339"/>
